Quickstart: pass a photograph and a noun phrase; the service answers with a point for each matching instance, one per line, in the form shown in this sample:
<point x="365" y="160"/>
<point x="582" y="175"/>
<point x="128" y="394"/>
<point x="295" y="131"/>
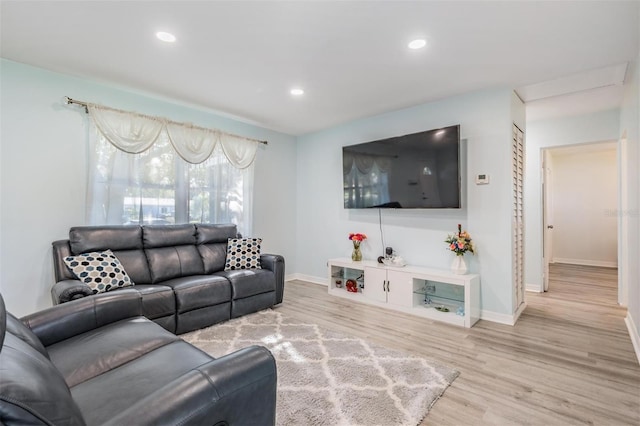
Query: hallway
<point x="588" y="284"/>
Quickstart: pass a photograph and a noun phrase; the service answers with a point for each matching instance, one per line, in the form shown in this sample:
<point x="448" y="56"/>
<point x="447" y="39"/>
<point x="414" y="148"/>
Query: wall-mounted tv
<point x="415" y="171"/>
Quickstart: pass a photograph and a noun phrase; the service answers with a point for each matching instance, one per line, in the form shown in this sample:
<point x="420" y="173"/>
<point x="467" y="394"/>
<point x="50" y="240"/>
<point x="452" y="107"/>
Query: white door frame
<point x="547" y="219"/>
<point x="623" y="222"/>
<point x="623" y="203"/>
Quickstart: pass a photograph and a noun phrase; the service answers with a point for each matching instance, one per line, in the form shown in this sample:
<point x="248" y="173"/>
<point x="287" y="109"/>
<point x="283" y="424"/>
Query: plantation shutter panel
<point x="518" y="216"/>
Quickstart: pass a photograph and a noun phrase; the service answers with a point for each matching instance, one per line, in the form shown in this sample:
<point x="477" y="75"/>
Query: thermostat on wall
<point x="482" y="179"/>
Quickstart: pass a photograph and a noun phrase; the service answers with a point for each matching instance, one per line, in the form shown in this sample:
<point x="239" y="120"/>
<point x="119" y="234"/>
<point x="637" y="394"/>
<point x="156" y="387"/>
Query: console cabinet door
<point x="399" y="288"/>
<point x="375" y="284"/>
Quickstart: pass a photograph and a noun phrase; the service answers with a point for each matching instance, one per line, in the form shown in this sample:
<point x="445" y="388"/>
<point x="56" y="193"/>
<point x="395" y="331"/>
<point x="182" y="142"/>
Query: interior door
<point x="547" y="218"/>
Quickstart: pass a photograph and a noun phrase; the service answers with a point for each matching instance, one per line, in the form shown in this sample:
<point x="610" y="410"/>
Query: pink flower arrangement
<point x="460" y="242"/>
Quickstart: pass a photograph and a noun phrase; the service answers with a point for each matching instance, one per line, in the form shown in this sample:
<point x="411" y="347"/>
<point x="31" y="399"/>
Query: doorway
<point x="580" y="221"/>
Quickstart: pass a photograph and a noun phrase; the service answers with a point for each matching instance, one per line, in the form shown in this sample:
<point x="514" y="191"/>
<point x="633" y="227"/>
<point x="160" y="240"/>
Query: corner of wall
<point x="498" y="317"/>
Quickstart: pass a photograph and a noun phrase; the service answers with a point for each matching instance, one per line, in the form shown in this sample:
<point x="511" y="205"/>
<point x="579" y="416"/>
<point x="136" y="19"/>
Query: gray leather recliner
<point x="178" y="270"/>
<point x="96" y="361"/>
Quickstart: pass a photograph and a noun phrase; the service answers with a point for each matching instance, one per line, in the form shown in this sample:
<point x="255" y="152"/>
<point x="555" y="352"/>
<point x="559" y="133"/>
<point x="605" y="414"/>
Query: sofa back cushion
<point x="212" y="245"/>
<point x="124" y="241"/>
<point x="171" y="251"/>
<point x="84" y="239"/>
<point x="33" y="390"/>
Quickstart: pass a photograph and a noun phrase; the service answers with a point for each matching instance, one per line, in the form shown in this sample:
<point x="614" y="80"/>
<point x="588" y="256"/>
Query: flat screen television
<point x="415" y="171"/>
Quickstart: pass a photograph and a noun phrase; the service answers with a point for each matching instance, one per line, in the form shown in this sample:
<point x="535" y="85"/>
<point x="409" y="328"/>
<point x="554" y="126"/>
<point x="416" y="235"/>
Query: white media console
<point x="431" y="293"/>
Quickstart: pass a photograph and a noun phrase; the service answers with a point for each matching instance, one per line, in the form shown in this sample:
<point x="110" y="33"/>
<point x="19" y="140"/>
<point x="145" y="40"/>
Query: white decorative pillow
<point x="243" y="253"/>
<point x="101" y="271"/>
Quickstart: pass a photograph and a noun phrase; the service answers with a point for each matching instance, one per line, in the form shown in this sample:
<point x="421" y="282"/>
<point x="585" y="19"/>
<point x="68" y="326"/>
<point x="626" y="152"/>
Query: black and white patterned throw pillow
<point x="101" y="271"/>
<point x="243" y="253"/>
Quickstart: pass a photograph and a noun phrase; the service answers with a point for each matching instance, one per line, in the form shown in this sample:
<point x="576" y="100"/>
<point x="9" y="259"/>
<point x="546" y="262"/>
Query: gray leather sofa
<point x="96" y="361"/>
<point x="178" y="270"/>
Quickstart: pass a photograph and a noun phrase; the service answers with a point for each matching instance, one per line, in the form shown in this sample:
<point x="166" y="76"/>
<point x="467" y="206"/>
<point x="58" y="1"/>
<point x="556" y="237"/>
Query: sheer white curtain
<point x="143" y="170"/>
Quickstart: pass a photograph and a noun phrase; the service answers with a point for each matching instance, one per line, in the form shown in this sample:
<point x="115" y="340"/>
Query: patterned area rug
<point x="327" y="378"/>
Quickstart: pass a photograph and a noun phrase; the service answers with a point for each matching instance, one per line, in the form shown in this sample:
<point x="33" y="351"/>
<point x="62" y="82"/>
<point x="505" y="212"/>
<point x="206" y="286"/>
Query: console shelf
<point x="431" y="293"/>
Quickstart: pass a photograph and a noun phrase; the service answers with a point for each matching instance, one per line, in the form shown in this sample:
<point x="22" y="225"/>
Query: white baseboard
<point x="583" y="262"/>
<point x="499" y="318"/>
<point x="307" y="278"/>
<point x="535" y="288"/>
<point x="633" y="333"/>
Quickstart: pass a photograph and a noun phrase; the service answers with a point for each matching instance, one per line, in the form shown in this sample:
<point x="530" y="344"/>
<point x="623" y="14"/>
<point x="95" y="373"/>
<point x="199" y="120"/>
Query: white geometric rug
<point x="327" y="378"/>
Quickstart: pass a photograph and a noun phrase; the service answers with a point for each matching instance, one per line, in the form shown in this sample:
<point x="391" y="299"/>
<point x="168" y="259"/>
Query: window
<point x="157" y="186"/>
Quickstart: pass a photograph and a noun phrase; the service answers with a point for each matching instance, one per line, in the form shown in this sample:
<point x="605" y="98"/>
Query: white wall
<point x="597" y="127"/>
<point x="44" y="173"/>
<point x="584" y="205"/>
<point x="629" y="214"/>
<point x="323" y="224"/>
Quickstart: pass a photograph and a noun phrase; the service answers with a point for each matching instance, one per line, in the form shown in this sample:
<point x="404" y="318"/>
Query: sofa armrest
<point x="68" y="290"/>
<point x="236" y="389"/>
<point x="275" y="263"/>
<point x="69" y="319"/>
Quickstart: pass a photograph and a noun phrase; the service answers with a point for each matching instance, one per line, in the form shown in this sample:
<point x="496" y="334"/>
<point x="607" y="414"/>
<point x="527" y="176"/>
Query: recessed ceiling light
<point x="166" y="37"/>
<point x="417" y="44"/>
<point x="297" y="92"/>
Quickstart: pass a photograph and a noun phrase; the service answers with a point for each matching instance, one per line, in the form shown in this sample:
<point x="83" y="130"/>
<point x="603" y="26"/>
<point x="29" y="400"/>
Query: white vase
<point x="459" y="266"/>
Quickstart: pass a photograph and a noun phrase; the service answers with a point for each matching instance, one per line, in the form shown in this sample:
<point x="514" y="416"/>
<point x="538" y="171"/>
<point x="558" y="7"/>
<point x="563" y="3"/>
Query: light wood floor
<point x="568" y="360"/>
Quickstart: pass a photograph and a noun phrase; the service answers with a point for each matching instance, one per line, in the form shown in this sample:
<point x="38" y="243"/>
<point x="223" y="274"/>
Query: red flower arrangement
<point x="357" y="238"/>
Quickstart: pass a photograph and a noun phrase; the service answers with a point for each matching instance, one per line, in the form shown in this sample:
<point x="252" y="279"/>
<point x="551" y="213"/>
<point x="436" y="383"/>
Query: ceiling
<point x="241" y="58"/>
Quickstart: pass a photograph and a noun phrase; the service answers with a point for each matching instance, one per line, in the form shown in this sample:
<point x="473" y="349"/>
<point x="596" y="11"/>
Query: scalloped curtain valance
<point x="135" y="133"/>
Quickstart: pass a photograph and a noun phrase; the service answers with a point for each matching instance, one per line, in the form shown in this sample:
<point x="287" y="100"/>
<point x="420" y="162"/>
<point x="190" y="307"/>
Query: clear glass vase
<point x="356" y="254"/>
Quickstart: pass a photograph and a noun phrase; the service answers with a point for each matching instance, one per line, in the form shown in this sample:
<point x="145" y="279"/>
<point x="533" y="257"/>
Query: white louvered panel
<point x="518" y="162"/>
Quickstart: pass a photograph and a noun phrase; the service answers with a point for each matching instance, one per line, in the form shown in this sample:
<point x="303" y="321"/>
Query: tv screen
<point x="416" y="171"/>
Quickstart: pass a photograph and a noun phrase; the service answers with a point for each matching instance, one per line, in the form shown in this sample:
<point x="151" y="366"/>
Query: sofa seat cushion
<point x="157" y="300"/>
<point x="123" y="388"/>
<point x="249" y="282"/>
<point x="199" y="291"/>
<point x="104" y="349"/>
